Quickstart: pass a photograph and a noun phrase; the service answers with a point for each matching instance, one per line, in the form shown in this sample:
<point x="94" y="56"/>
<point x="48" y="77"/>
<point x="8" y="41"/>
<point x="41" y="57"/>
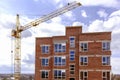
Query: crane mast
<point x="17" y="54"/>
<point x="16" y="33"/>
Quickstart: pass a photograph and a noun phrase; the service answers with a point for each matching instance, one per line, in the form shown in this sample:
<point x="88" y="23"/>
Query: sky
<point x="93" y="15"/>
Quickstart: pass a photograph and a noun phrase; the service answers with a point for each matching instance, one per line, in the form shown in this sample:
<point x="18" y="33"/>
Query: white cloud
<point x="6" y="20"/>
<point x="110" y="24"/>
<point x="77" y="24"/>
<point x="5" y="58"/>
<point x="49" y="29"/>
<point x="27" y="46"/>
<point x="57" y="1"/>
<point x="116" y="13"/>
<point x="36" y="0"/>
<point x="106" y="3"/>
<point x="60" y="5"/>
<point x="115" y="46"/>
<point x="96" y="25"/>
<point x="56" y="20"/>
<point x="116" y="65"/>
<point x="84" y="27"/>
<point x="102" y="13"/>
<point x="69" y="14"/>
<point x="113" y="22"/>
<point x="5" y="41"/>
<point x="83" y="13"/>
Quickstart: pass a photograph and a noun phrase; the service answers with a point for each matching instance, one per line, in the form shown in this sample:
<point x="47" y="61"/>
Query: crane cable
<point x="11" y="58"/>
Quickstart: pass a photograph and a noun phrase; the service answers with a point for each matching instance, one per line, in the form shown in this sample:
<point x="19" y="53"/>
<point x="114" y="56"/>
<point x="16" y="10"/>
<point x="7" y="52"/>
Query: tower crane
<point x="16" y="33"/>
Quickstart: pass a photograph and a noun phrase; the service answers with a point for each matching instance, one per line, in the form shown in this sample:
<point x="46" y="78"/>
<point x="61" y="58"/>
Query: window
<point x="44" y="74"/>
<point x="72" y="78"/>
<point x="83" y="60"/>
<point x="72" y="55"/>
<point x="72" y="41"/>
<point x="45" y="49"/>
<point x="83" y="75"/>
<point x="72" y="69"/>
<point x="84" y="46"/>
<point x="59" y="74"/>
<point x="106" y="75"/>
<point x="44" y="61"/>
<point x="60" y="47"/>
<point x="105" y="60"/>
<point x="106" y="45"/>
<point x="59" y="60"/>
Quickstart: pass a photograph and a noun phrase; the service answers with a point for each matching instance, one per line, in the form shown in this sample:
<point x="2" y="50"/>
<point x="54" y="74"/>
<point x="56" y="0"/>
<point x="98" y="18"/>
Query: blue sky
<point x="93" y="15"/>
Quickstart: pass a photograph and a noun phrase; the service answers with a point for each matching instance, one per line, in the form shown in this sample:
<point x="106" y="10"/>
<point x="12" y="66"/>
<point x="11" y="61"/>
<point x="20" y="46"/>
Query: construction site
<point x="69" y="50"/>
<point x="77" y="55"/>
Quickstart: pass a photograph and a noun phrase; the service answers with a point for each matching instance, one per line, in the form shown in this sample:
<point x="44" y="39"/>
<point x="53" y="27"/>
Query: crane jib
<point x="51" y="15"/>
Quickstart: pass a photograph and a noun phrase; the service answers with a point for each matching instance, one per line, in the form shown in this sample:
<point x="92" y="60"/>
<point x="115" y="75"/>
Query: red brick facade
<point x="75" y="56"/>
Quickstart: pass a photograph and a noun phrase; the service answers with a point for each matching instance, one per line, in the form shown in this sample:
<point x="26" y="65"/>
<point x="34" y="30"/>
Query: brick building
<point x="75" y="56"/>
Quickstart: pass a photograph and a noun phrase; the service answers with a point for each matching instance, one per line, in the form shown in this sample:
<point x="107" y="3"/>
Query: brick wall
<point x="94" y="54"/>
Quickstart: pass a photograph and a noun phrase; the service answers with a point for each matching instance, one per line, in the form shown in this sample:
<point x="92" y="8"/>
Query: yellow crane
<point x="16" y="33"/>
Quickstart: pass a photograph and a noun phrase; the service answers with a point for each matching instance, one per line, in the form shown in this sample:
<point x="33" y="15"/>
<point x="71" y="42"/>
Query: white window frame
<point x="84" y="63"/>
<point x="46" y="49"/>
<point x="84" y="49"/>
<point x="46" y="64"/>
<point x="46" y="77"/>
<point x="61" y="49"/>
<point x="72" y="43"/>
<point x="106" y="63"/>
<point x="106" y="75"/>
<point x="72" y="55"/>
<point x="60" y="63"/>
<point x="58" y="77"/>
<point x="83" y="75"/>
<point x="107" y="45"/>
